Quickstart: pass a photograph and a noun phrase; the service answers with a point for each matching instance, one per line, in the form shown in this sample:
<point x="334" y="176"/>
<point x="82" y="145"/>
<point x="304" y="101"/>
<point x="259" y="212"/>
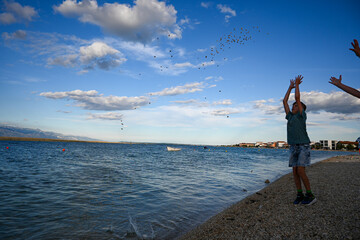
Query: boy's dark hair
<point x="303" y="105"/>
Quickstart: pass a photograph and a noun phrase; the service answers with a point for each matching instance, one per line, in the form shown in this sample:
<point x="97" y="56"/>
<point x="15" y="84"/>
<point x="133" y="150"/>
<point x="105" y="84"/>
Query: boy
<point x="298" y="140"/>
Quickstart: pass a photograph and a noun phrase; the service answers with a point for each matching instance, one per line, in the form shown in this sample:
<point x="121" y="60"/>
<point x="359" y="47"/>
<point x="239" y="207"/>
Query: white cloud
<point x="65" y="60"/>
<point x="140" y="22"/>
<point x="183" y="65"/>
<point x="205" y="64"/>
<point x="187" y="116"/>
<point x="19" y="34"/>
<point x="186" y="20"/>
<point x="334" y="102"/>
<point x="101" y="55"/>
<point x="205" y="4"/>
<point x="187" y="88"/>
<point x="61" y="111"/>
<point x="17" y="13"/>
<point x="216" y="79"/>
<point x="66" y="51"/>
<point x="190" y="65"/>
<point x="96" y="50"/>
<point x="114" y="116"/>
<point x="268" y="109"/>
<point x="226" y="10"/>
<point x="91" y="100"/>
<point x="139" y="50"/>
<point x="224" y="112"/>
<point x="190" y="101"/>
<point x="223" y="102"/>
<point x="7" y="18"/>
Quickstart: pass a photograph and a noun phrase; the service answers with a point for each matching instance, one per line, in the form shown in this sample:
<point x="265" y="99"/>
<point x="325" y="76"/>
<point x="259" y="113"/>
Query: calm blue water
<point x="120" y="191"/>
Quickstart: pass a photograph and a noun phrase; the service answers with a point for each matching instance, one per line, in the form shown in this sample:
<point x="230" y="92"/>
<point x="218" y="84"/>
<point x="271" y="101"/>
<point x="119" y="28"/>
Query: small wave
<point x="135" y="233"/>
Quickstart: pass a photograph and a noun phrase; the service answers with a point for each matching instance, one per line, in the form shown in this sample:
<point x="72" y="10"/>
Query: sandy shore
<point x="270" y="213"/>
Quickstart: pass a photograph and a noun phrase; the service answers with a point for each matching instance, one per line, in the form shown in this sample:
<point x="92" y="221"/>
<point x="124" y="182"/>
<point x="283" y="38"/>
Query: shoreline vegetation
<point x="270" y="213"/>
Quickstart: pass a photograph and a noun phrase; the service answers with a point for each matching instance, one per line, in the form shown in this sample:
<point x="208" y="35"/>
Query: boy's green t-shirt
<point x="296" y="128"/>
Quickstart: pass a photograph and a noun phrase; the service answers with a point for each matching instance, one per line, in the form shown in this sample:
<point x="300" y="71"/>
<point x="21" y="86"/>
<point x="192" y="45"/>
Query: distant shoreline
<point x="28" y="139"/>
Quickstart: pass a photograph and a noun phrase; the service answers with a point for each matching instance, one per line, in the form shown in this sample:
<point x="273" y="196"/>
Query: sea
<point x="74" y="190"/>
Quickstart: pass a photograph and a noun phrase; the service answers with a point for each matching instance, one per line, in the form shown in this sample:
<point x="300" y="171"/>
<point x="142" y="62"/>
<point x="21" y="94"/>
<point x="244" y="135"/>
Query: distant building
<point x="346" y="143"/>
<point x="281" y="144"/>
<point x="260" y="144"/>
<point x="247" y="144"/>
<point x="328" y="144"/>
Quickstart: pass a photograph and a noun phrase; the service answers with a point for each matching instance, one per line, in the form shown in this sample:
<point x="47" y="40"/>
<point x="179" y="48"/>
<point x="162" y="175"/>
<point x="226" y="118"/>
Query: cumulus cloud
<point x="7" y="18"/>
<point x="334" y="102"/>
<point x="344" y="117"/>
<point x="14" y="12"/>
<point x="91" y="100"/>
<point x="113" y="116"/>
<point x="227" y="11"/>
<point x="19" y="34"/>
<point x="316" y="101"/>
<point x="187" y="88"/>
<point x="101" y="55"/>
<point x="268" y="109"/>
<point x="140" y="22"/>
<point x="98" y="54"/>
<point x="56" y="49"/>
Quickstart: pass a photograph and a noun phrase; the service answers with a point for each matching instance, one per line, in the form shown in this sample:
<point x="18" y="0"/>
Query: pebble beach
<point x="270" y="213"/>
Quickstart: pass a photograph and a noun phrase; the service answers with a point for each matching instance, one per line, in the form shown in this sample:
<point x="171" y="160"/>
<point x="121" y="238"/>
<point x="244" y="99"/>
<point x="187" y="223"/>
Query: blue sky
<point x="164" y="71"/>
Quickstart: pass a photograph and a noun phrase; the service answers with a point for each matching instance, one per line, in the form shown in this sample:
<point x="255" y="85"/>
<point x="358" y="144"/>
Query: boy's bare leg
<point x="302" y="174"/>
<point x="296" y="178"/>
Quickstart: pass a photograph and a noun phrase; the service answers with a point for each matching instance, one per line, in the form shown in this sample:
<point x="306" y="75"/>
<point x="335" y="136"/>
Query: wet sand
<point x="270" y="213"/>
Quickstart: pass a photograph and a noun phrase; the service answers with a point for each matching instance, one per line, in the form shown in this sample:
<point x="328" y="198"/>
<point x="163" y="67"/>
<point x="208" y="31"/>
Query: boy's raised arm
<point x="298" y="80"/>
<point x="286" y="98"/>
<point x="339" y="84"/>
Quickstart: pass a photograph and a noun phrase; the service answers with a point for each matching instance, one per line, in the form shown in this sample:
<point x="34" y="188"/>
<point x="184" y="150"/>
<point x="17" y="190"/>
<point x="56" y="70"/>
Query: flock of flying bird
<point x="225" y="42"/>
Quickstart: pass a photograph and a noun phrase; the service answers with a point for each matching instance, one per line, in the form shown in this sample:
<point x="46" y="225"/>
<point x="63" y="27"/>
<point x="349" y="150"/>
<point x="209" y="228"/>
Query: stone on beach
<point x="270" y="213"/>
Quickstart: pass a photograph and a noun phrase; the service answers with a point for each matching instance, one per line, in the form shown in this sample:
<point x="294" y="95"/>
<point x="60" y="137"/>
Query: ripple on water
<point x="119" y="191"/>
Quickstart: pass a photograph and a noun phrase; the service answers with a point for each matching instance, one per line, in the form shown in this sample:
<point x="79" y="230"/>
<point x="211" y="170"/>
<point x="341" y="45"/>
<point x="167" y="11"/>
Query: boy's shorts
<point x="299" y="155"/>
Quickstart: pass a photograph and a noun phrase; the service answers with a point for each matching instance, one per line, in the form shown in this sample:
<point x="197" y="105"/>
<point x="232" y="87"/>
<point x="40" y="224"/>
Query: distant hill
<point x="11" y="131"/>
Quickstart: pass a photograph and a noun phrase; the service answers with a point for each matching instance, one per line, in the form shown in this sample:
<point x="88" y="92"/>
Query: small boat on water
<point x="173" y="149"/>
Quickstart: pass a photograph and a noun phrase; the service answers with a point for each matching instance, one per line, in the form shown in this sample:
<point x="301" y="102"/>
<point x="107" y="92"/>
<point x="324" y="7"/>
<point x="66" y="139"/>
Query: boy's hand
<point x="335" y="81"/>
<point x="292" y="84"/>
<point x="356" y="48"/>
<point x="298" y="79"/>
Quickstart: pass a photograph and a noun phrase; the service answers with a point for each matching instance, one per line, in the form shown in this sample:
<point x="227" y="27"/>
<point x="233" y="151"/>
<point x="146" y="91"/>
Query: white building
<point x="328" y="144"/>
